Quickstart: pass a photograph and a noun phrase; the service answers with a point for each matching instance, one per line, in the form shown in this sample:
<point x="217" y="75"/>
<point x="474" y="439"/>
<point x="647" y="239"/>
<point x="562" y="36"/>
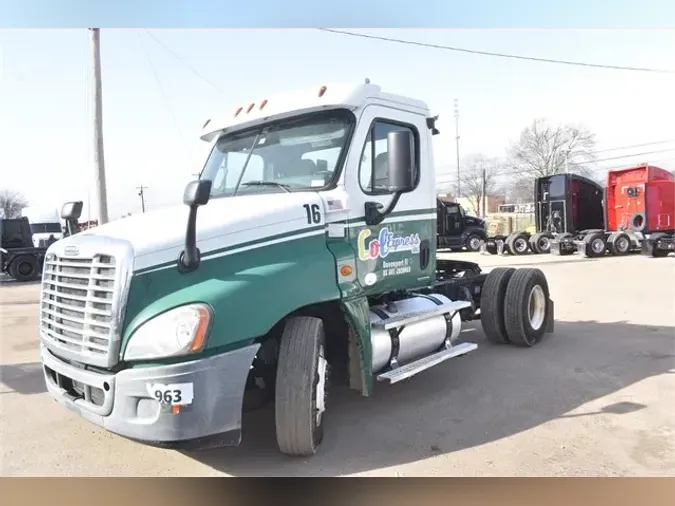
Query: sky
<point x="155" y="99"/>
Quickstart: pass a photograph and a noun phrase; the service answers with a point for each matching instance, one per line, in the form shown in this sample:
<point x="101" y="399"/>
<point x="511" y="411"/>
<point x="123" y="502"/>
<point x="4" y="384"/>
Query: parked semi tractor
<point x="20" y="258"/>
<point x="456" y="229"/>
<point x="638" y="215"/>
<point x="308" y="259"/>
<point x="565" y="205"/>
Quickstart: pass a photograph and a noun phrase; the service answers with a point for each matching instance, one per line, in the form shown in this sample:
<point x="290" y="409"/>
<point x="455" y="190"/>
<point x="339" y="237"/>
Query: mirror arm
<point x="373" y="214"/>
<point x="189" y="258"/>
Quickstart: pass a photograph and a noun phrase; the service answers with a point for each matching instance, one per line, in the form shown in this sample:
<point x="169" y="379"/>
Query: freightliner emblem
<point x="71" y="251"/>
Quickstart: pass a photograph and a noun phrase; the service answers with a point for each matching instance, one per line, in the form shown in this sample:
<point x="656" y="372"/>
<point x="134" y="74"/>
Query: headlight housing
<point x="179" y="331"/>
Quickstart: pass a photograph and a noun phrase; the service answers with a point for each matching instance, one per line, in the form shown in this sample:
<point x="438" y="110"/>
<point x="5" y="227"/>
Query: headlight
<point x="180" y="331"/>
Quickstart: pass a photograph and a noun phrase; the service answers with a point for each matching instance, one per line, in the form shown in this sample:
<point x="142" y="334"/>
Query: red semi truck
<point x="639" y="215"/>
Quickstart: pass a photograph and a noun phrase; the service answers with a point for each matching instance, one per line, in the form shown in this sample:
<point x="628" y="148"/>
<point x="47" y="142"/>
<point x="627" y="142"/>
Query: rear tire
<point x="302" y="371"/>
<point x="595" y="245"/>
<point x="517" y="244"/>
<point x="526" y="307"/>
<point x="619" y="244"/>
<point x="24" y="268"/>
<point x="492" y="304"/>
<point x="541" y="243"/>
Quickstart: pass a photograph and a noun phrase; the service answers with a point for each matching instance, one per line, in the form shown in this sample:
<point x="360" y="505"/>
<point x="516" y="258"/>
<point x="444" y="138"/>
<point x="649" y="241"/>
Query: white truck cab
<point x="304" y="256"/>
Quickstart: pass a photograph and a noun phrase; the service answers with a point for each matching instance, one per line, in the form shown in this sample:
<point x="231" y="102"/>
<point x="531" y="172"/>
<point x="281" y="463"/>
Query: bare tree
<point x="12" y="203"/>
<point x="544" y="150"/>
<point x="478" y="180"/>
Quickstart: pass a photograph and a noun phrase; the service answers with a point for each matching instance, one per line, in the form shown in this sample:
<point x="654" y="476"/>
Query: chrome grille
<point x="78" y="314"/>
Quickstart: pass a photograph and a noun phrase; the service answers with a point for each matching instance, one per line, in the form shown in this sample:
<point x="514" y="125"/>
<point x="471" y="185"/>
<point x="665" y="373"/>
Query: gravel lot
<point x="596" y="398"/>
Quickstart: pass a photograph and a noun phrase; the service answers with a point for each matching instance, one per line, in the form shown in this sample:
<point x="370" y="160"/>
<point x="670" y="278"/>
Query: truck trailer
<point x="308" y="260"/>
<point x="638" y="215"/>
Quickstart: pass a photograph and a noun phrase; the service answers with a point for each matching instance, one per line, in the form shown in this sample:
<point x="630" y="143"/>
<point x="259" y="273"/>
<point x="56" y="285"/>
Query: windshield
<point x="45" y="228"/>
<point x="289" y="155"/>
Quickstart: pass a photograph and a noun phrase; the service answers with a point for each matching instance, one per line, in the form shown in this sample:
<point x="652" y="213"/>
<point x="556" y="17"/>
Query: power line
<point x="194" y="71"/>
<point x="164" y="96"/>
<point x="530" y="170"/>
<point x="635" y="146"/>
<point x="501" y="55"/>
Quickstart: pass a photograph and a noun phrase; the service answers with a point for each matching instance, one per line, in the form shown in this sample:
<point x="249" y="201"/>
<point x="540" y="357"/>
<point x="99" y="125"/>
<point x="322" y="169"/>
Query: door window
<point x="373" y="169"/>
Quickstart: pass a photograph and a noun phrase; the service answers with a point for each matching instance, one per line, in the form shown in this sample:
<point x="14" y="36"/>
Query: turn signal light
<point x="322" y="90"/>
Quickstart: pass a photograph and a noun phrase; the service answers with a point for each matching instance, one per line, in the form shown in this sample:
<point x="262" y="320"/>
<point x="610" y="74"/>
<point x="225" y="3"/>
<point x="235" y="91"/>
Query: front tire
<point x="301" y="381"/>
<point x="472" y="242"/>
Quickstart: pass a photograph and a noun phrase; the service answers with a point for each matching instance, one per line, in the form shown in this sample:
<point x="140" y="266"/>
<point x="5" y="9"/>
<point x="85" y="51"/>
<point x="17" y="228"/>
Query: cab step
<point x="412" y="368"/>
<point x="407" y="318"/>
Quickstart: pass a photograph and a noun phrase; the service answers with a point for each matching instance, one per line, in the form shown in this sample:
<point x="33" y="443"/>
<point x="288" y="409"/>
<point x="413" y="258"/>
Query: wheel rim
<point x="544" y="244"/>
<point x="598" y="246"/>
<point x="474" y="243"/>
<point x="320" y="399"/>
<point x="25" y="268"/>
<point x="520" y="245"/>
<point x="622" y="244"/>
<point x="536" y="307"/>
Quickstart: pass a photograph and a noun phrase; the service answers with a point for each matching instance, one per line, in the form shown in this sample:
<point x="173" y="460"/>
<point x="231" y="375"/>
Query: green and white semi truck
<point x="305" y="256"/>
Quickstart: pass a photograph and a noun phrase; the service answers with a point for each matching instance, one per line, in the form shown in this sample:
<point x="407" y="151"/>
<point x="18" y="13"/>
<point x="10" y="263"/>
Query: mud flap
<point x="550" y="317"/>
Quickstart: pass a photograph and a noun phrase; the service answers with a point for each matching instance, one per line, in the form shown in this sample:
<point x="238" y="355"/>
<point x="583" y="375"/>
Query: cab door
<point x="399" y="252"/>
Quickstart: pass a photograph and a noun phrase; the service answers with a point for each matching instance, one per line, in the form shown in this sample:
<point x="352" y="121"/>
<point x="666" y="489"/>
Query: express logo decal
<point x="386" y="243"/>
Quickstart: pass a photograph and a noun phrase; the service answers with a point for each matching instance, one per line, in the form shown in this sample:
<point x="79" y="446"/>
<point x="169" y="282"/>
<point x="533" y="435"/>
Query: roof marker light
<point x="250" y="107"/>
<point x="238" y="111"/>
<point x="263" y="104"/>
<point x="322" y="90"/>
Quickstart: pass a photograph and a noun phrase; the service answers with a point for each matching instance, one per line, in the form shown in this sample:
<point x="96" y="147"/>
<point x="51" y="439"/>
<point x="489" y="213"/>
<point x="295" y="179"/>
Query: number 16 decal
<point x="313" y="213"/>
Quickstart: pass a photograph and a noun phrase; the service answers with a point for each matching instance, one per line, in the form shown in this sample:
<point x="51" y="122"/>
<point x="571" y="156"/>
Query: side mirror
<point x="401" y="161"/>
<point x="197" y="193"/>
<point x="72" y="210"/>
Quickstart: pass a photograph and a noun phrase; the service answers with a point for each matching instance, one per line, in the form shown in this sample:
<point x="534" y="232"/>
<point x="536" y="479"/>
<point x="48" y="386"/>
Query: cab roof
<point x="330" y="96"/>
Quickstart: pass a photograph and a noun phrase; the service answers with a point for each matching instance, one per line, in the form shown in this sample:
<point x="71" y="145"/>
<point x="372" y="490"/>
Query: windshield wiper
<point x="267" y="183"/>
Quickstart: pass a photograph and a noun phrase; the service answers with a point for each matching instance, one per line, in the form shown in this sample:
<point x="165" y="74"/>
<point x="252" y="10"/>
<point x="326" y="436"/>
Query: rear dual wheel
<point x="515" y="306"/>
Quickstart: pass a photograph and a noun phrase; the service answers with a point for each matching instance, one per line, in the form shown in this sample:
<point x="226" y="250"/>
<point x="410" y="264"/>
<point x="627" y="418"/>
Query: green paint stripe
<point x="289" y="235"/>
<point x="399" y="214"/>
<point x="225" y="249"/>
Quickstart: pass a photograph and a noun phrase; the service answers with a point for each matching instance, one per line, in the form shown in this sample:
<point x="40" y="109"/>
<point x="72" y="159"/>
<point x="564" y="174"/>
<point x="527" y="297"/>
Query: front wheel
<point x="301" y="386"/>
<point x="472" y="242"/>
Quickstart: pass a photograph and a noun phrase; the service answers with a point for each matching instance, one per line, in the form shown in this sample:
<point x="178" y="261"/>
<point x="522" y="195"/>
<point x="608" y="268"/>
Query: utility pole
<point x="141" y="193"/>
<point x="457" y="144"/>
<point x="484" y="192"/>
<point x="99" y="163"/>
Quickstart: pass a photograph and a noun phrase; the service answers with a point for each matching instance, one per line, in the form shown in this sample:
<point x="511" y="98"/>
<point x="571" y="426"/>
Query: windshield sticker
<point x="386" y="243"/>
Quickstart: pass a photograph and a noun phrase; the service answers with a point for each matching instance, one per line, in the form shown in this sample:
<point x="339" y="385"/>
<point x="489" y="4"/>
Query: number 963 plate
<point x="177" y="394"/>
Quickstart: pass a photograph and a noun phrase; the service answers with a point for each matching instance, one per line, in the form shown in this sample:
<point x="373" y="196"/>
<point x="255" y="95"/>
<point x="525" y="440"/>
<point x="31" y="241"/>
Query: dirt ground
<point x="594" y="399"/>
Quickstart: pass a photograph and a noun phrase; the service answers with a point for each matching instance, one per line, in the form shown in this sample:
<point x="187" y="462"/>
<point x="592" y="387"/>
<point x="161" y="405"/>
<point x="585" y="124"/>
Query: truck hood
<point x="159" y="236"/>
<point x="474" y="221"/>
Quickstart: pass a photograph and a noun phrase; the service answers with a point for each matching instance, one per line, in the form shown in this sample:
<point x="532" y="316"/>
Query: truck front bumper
<point x="125" y="402"/>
